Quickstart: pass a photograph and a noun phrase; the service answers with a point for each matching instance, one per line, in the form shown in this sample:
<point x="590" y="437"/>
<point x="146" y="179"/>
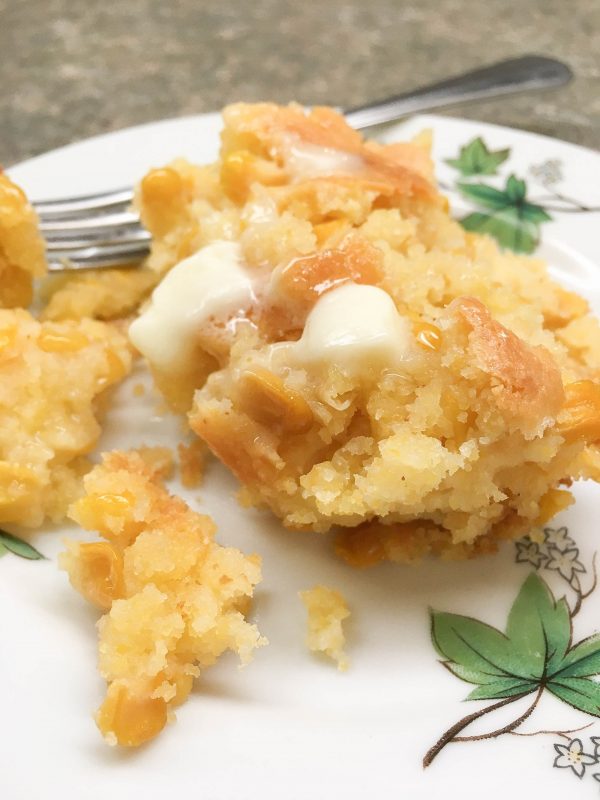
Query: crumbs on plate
<point x="327" y="609"/>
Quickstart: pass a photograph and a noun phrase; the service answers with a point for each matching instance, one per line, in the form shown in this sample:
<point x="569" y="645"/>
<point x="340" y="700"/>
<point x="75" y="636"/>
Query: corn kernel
<point x="427" y="335"/>
<point x="161" y="185"/>
<point x="115" y="370"/>
<point x="63" y="342"/>
<point x="111" y="505"/>
<point x="100" y="573"/>
<point x="237" y="174"/>
<point x="131" y="719"/>
<point x="8" y="337"/>
<point x="579" y="417"/>
<point x="267" y="399"/>
<point x="325" y="230"/>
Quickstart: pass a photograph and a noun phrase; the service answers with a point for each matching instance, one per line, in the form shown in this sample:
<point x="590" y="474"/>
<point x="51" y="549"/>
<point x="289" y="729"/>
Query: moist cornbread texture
<point x="52" y="380"/>
<point x="21" y="246"/>
<point x="463" y="442"/>
<point x="326" y="609"/>
<point x="174" y="599"/>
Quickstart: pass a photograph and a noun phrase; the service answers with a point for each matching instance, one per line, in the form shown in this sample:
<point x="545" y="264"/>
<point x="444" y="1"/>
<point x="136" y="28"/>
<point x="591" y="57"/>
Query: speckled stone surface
<point x="74" y="68"/>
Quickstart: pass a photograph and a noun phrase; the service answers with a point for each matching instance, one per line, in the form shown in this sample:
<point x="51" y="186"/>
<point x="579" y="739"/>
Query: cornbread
<point x="326" y="609"/>
<point x="174" y="600"/>
<point x="21" y="246"/>
<point x="104" y="294"/>
<point x="52" y="377"/>
<point x="380" y="370"/>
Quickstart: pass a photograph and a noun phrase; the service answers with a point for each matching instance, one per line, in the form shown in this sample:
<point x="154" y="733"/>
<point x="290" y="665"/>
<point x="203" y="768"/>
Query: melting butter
<point x="212" y="283"/>
<point x="357" y="327"/>
<point x="305" y="161"/>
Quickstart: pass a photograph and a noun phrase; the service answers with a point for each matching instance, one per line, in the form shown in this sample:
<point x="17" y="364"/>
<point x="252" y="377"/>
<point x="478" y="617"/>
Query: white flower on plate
<point x="548" y="172"/>
<point x="565" y="562"/>
<point x="559" y="538"/>
<point x="529" y="552"/>
<point x="595" y="740"/>
<point x="572" y="755"/>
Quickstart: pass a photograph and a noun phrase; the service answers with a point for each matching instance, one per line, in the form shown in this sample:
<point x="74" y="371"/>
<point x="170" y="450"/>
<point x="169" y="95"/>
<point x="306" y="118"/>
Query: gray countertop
<point x="74" y="68"/>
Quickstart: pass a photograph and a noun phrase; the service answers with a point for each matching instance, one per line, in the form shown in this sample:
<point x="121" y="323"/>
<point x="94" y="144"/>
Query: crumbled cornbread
<point x="21" y="246"/>
<point x="326" y="608"/>
<point x="51" y="376"/>
<point x="481" y="399"/>
<point x="192" y="457"/>
<point x="174" y="599"/>
<point x="99" y="294"/>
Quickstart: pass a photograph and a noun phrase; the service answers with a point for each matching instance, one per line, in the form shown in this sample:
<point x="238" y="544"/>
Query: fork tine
<point x="98" y="225"/>
<point x="131" y="237"/>
<point x="85" y="204"/>
<point x="94" y="257"/>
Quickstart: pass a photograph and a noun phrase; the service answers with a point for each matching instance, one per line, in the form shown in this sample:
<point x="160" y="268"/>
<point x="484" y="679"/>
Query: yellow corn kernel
<point x="551" y="503"/>
<point x="267" y="399"/>
<point x="115" y="370"/>
<point x="325" y="230"/>
<point x="62" y="341"/>
<point x="579" y="417"/>
<point x="8" y="337"/>
<point x="110" y="505"/>
<point x="161" y="185"/>
<point x="100" y="573"/>
<point x="427" y="335"/>
<point x="130" y="719"/>
<point x="237" y="174"/>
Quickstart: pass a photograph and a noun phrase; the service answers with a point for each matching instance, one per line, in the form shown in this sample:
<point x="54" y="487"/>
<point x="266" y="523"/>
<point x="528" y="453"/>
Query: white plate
<point x="289" y="726"/>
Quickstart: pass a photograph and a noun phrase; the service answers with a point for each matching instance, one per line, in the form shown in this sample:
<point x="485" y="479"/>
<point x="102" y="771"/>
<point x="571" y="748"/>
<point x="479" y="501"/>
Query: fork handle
<point x="506" y="77"/>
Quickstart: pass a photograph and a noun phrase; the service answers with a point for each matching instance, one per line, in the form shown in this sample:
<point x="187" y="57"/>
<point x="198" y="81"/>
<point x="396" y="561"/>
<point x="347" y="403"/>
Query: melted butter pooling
<point x="357" y="327"/>
<point x="212" y="283"/>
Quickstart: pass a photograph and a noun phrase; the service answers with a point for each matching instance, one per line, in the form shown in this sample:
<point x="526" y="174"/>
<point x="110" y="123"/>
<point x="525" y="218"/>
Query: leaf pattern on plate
<point x="19" y="547"/>
<point x="510" y="218"/>
<point x="508" y="214"/>
<point x="476" y="159"/>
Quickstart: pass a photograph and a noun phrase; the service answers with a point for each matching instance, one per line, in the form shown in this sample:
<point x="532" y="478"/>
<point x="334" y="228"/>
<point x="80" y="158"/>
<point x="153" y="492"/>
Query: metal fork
<point x="101" y="230"/>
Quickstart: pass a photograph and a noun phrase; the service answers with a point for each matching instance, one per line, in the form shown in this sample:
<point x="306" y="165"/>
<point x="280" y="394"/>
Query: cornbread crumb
<point x="327" y="608"/>
<point x="174" y="599"/>
<point x="192" y="459"/>
<point x="52" y="376"/>
<point x="22" y="248"/>
<point x="99" y="294"/>
<point x="139" y="390"/>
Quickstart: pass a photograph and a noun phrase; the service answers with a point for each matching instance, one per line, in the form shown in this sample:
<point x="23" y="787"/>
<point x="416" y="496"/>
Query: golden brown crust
<point x="529" y="381"/>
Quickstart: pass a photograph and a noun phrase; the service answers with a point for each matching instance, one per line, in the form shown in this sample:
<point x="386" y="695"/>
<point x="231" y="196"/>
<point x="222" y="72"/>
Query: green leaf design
<point x="476" y="159"/>
<point x="503" y="687"/>
<point x="533" y="213"/>
<point x="581" y="693"/>
<point x="19" y="547"/>
<point x="506" y="226"/>
<point x="512" y="221"/>
<point x="3" y="550"/>
<point x="515" y="189"/>
<point x="485" y="195"/>
<point x="539" y="628"/>
<point x="475" y="649"/>
<point x="581" y="661"/>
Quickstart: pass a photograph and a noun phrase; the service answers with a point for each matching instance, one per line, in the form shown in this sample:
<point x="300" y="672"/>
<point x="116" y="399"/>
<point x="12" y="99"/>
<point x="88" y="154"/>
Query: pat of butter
<point x="212" y="283"/>
<point x="357" y="327"/>
<point x="305" y="161"/>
